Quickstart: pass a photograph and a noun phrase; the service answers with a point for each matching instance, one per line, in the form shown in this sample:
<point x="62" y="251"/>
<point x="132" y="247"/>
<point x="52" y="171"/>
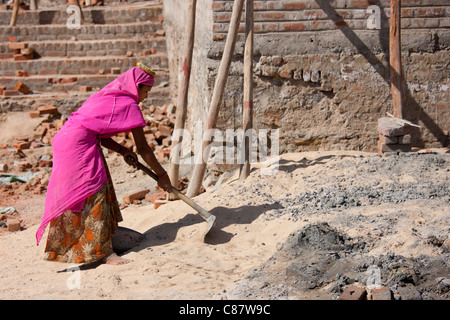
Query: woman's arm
<point x="110" y="144"/>
<point x="149" y="157"/>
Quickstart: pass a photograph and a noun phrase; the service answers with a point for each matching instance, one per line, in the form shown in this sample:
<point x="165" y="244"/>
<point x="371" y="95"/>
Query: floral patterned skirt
<point x="86" y="236"/>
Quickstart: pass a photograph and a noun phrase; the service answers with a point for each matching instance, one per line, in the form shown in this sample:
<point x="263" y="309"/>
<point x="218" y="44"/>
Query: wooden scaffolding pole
<point x="183" y="89"/>
<point x="395" y="59"/>
<point x="14" y="13"/>
<point x="247" y="115"/>
<point x="219" y="87"/>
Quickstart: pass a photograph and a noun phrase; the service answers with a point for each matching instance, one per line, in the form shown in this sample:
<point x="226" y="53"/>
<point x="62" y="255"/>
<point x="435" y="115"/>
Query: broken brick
<point x="13" y="225"/>
<point x="39" y="189"/>
<point x="22" y="145"/>
<point x="135" y="196"/>
<point x="163" y="132"/>
<point x="85" y="88"/>
<point x="353" y="293"/>
<point x="21" y="73"/>
<point x="45" y="163"/>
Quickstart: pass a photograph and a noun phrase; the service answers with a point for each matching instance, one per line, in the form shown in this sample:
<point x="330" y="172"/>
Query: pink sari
<point x="78" y="170"/>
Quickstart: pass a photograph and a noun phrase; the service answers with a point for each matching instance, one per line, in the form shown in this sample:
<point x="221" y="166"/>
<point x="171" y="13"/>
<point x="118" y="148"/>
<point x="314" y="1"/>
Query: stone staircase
<point x="71" y="64"/>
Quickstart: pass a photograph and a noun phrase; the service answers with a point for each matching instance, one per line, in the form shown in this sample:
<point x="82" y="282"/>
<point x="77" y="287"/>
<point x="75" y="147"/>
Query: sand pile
<point x="322" y="223"/>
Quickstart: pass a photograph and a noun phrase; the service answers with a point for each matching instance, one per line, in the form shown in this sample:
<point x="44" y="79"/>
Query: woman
<point x="81" y="204"/>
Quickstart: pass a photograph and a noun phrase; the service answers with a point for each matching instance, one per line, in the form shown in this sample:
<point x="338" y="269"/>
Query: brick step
<point x="80" y="65"/>
<point x="69" y="48"/>
<point x="69" y="101"/>
<point x="55" y="83"/>
<point x="87" y="32"/>
<point x="107" y="14"/>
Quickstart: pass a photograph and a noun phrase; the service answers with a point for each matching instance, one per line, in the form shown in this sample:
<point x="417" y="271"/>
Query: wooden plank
<point x="247" y="116"/>
<point x="183" y="89"/>
<point x="395" y="59"/>
<point x="219" y="87"/>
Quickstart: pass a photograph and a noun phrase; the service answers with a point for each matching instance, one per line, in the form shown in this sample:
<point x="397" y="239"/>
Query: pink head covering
<point x="78" y="169"/>
<point x="115" y="108"/>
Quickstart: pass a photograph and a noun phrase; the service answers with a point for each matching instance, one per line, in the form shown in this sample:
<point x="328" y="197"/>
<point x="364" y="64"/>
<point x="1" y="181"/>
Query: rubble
<point x="393" y="137"/>
<point x="27" y="162"/>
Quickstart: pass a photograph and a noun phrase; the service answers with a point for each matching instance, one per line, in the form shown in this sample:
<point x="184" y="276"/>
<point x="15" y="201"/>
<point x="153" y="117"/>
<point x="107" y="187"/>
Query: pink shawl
<point x="78" y="170"/>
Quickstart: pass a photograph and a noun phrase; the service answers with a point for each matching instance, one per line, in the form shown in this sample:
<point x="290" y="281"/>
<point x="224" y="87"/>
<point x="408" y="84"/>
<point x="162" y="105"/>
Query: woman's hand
<point x="164" y="183"/>
<point x="130" y="158"/>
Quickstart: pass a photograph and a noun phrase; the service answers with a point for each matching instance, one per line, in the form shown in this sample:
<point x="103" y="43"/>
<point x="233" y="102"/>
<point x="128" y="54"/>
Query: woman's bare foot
<point x="115" y="260"/>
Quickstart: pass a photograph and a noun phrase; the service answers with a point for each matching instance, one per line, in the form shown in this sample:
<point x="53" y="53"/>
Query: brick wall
<point x="321" y="75"/>
<point x="309" y="15"/>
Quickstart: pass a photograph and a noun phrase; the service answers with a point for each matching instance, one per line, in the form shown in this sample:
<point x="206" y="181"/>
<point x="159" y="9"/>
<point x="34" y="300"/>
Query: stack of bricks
<point x="21" y="51"/>
<point x="22" y="161"/>
<point x="160" y="123"/>
<point x="393" y="137"/>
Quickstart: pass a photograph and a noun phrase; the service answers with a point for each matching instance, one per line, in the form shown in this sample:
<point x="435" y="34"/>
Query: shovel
<point x="209" y="218"/>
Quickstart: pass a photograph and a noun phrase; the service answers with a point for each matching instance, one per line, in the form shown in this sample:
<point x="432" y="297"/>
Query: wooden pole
<point x="33" y="5"/>
<point x="183" y="88"/>
<point x="77" y="3"/>
<point x="247" y="116"/>
<point x="395" y="59"/>
<point x="219" y="87"/>
<point x="14" y="13"/>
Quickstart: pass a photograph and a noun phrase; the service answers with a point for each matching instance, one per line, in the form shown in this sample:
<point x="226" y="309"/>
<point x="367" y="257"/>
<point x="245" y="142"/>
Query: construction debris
<point x="393" y="137"/>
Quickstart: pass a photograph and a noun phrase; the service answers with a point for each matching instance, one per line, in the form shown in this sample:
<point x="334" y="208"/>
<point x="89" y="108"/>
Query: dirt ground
<point x="323" y="221"/>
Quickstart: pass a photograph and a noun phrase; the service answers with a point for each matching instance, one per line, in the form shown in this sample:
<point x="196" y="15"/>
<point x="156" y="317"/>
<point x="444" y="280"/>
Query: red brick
<point x="39" y="189"/>
<point x="21" y="57"/>
<point x="389" y="128"/>
<point x="406" y="139"/>
<point x="22" y="145"/>
<point x="45" y="163"/>
<point x="21" y="87"/>
<point x="48" y="110"/>
<point x="361" y="3"/>
<point x="85" y="88"/>
<point x="21" y="139"/>
<point x="13" y="225"/>
<point x="67" y="80"/>
<point x="294" y="5"/>
<point x="135" y="196"/>
<point x="17" y="45"/>
<point x="293" y="26"/>
<point x="21" y="73"/>
<point x="10" y="93"/>
<point x="163" y="132"/>
<point x="155" y="196"/>
<point x="272" y="16"/>
<point x="24" y="165"/>
<point x="353" y="293"/>
<point x="388" y="140"/>
<point x="384" y="148"/>
<point x="383" y="293"/>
